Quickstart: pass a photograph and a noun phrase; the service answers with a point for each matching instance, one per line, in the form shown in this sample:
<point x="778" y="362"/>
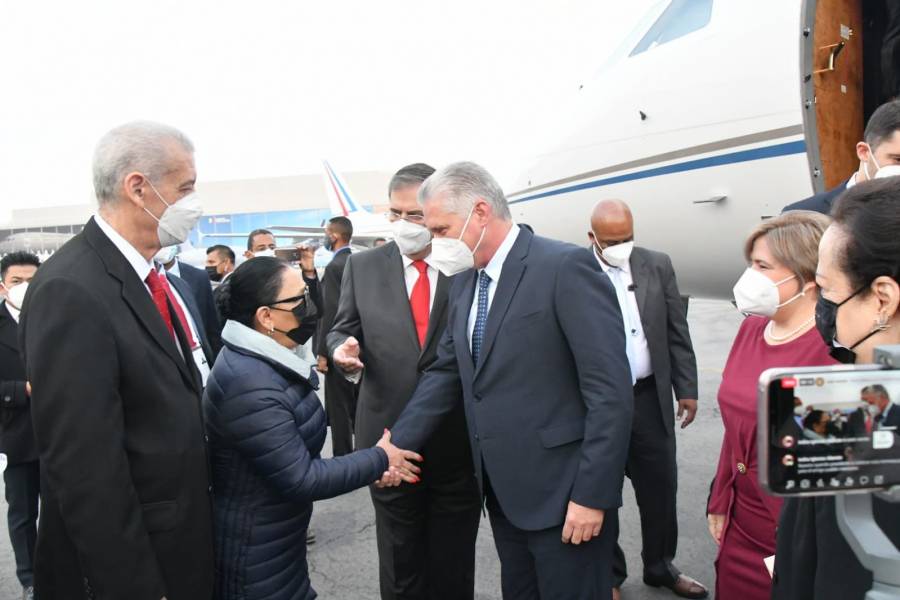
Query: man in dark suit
<point x="879" y="148"/>
<point x="22" y="474"/>
<point x="340" y="394"/>
<point x="884" y="414"/>
<point x="393" y="310"/>
<point x="662" y="360"/>
<point x="201" y="290"/>
<point x="126" y="510"/>
<point x="535" y="347"/>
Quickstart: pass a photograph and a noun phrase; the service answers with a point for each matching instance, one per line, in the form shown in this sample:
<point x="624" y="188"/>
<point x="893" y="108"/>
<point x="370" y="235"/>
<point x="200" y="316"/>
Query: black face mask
<point x="213" y="274"/>
<point x="826" y="324"/>
<point x="328" y="243"/>
<point x="306" y="314"/>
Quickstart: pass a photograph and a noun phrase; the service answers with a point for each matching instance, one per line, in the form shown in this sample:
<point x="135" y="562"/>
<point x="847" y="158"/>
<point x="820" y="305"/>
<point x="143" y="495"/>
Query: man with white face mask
<point x="535" y="351"/>
<point x="126" y="511"/>
<point x="22" y="474"/>
<point x="662" y="361"/>
<point x="392" y="313"/>
<point x="878" y="153"/>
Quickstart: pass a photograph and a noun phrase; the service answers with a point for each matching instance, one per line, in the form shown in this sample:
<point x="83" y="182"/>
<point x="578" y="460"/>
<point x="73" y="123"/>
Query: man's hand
<point x="582" y="524"/>
<point x="716" y="524"/>
<point x="322" y="364"/>
<point x="399" y="465"/>
<point x="307" y="260"/>
<point x="346" y="356"/>
<point x="688" y="406"/>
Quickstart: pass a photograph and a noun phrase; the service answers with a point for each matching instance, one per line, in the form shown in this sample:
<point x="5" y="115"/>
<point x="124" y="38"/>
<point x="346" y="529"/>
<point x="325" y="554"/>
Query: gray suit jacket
<point x="374" y="308"/>
<point x="549" y="403"/>
<point x="666" y="329"/>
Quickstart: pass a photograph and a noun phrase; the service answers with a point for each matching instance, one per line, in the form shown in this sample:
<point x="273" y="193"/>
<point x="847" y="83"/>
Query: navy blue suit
<point x="821" y="202"/>
<point x="548" y="408"/>
<point x="201" y="288"/>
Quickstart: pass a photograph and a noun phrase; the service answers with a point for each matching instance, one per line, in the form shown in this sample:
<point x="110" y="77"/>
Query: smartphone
<point x="291" y="255"/>
<point x="829" y="430"/>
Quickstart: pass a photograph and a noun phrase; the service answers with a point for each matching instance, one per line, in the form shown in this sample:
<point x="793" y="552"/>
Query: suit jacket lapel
<point x="641" y="277"/>
<point x="510" y="276"/>
<point x="398" y="296"/>
<point x="438" y="308"/>
<point x="136" y="295"/>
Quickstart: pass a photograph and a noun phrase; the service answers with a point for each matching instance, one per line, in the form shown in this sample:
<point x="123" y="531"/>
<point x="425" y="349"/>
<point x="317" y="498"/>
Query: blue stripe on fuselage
<point x="798" y="147"/>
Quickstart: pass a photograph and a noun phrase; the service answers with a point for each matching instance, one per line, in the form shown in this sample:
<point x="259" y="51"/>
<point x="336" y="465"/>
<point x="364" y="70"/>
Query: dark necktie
<point x="484" y="282"/>
<point x="420" y="301"/>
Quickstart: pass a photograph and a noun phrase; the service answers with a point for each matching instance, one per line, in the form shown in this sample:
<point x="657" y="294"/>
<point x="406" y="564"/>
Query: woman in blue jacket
<point x="266" y="429"/>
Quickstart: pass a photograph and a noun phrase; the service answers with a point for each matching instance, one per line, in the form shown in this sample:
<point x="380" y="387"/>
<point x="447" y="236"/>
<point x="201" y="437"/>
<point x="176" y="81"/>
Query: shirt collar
<point x="407" y="261"/>
<point x="495" y="266"/>
<point x="606" y="268"/>
<point x="176" y="269"/>
<point x="852" y="181"/>
<point x="141" y="265"/>
<point x="15" y="312"/>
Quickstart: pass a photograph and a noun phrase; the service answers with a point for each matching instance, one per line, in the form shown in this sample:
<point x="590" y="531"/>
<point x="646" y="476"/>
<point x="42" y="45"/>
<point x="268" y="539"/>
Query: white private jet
<point x="712" y="115"/>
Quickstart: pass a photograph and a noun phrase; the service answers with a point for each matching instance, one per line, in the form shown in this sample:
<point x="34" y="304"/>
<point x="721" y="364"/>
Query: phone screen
<point x="831" y="431"/>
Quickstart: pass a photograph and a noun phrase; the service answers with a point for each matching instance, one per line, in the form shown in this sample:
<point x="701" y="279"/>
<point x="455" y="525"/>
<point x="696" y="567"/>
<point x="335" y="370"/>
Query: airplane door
<point x="834" y="68"/>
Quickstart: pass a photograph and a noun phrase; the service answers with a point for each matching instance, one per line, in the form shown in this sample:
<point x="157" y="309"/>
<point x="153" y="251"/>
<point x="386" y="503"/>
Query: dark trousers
<point x="23" y="484"/>
<point x="426" y="536"/>
<point x="537" y="565"/>
<point x="340" y="406"/>
<point x="654" y="476"/>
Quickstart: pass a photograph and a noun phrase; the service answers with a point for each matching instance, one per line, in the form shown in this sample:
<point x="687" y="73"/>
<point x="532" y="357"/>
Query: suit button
<point x="206" y="438"/>
<point x="209" y="489"/>
<point x="742" y="468"/>
<point x="476" y="437"/>
<point x="7" y="398"/>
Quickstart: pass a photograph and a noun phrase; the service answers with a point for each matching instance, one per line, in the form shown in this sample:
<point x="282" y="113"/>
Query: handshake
<point x="400" y="468"/>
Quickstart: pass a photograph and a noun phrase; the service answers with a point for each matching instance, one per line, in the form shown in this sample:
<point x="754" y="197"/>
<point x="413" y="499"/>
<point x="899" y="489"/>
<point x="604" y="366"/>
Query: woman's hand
<point x="399" y="466"/>
<point x="716" y="524"/>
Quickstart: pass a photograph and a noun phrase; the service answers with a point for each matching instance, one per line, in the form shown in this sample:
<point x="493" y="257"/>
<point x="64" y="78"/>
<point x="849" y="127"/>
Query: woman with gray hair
<point x="778" y="293"/>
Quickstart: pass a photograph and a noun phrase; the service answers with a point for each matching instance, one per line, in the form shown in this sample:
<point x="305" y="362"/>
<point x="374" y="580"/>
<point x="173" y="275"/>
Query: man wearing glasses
<point x="391" y="316"/>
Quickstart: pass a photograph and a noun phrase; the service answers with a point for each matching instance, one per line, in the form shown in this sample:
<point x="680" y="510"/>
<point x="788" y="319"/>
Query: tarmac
<point x="344" y="562"/>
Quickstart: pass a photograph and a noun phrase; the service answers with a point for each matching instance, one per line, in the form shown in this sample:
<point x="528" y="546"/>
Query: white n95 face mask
<point x="451" y="255"/>
<point x="266" y="252"/>
<point x="618" y="255"/>
<point x="15" y="295"/>
<point x="888" y="171"/>
<point x="176" y="222"/>
<point x="410" y="238"/>
<point x="756" y="294"/>
<point x="166" y="254"/>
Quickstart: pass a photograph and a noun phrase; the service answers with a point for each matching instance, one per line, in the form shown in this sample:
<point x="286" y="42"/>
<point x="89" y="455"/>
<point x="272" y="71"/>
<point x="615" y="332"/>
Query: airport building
<point x="231" y="210"/>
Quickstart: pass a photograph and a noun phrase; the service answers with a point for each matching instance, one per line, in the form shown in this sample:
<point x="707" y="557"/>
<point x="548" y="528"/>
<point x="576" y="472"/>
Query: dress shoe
<point x="684" y="586"/>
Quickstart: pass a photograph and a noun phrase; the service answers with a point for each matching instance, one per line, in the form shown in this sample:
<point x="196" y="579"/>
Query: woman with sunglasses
<point x="266" y="429"/>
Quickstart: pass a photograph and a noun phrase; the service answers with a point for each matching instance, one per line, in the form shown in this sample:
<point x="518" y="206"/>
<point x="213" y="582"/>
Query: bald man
<point x="661" y="358"/>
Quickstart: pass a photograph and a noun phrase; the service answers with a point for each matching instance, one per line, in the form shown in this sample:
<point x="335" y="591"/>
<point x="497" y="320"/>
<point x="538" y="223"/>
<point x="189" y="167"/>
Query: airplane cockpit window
<point x="680" y="18"/>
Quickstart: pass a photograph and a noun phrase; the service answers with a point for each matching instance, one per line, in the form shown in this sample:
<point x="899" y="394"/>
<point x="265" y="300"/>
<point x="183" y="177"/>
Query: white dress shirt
<point x="411" y="275"/>
<point x="631" y="316"/>
<point x="493" y="269"/>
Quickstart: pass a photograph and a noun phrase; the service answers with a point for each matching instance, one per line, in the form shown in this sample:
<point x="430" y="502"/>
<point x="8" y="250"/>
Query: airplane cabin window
<point x="679" y="19"/>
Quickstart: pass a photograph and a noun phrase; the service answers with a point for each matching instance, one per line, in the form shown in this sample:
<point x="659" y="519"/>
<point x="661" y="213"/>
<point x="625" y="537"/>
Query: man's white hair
<point x="459" y="185"/>
<point x="136" y="146"/>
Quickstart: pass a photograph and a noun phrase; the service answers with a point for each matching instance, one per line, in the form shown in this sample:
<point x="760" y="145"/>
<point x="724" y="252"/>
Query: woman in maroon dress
<point x="778" y="292"/>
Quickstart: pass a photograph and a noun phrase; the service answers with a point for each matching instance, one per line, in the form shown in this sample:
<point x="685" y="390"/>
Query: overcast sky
<point x="269" y="88"/>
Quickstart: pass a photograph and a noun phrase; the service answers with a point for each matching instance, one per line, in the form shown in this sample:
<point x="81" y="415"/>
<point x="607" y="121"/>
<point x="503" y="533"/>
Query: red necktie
<point x="159" y="288"/>
<point x="420" y="300"/>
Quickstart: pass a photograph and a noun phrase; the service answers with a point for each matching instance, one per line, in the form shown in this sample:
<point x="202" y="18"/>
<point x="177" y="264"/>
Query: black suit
<point x="201" y="289"/>
<point x="891" y="419"/>
<point x="426" y="532"/>
<point x="126" y="511"/>
<point x="22" y="474"/>
<point x="651" y="462"/>
<point x="822" y="202"/>
<point x="340" y="394"/>
<point x="548" y="407"/>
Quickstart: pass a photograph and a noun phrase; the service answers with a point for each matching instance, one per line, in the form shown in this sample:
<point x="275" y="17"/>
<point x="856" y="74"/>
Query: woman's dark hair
<point x="869" y="215"/>
<point x="255" y="283"/>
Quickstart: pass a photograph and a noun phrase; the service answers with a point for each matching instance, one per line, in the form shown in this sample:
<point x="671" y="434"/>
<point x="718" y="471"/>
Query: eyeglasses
<point x="302" y="300"/>
<point x="415" y="218"/>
